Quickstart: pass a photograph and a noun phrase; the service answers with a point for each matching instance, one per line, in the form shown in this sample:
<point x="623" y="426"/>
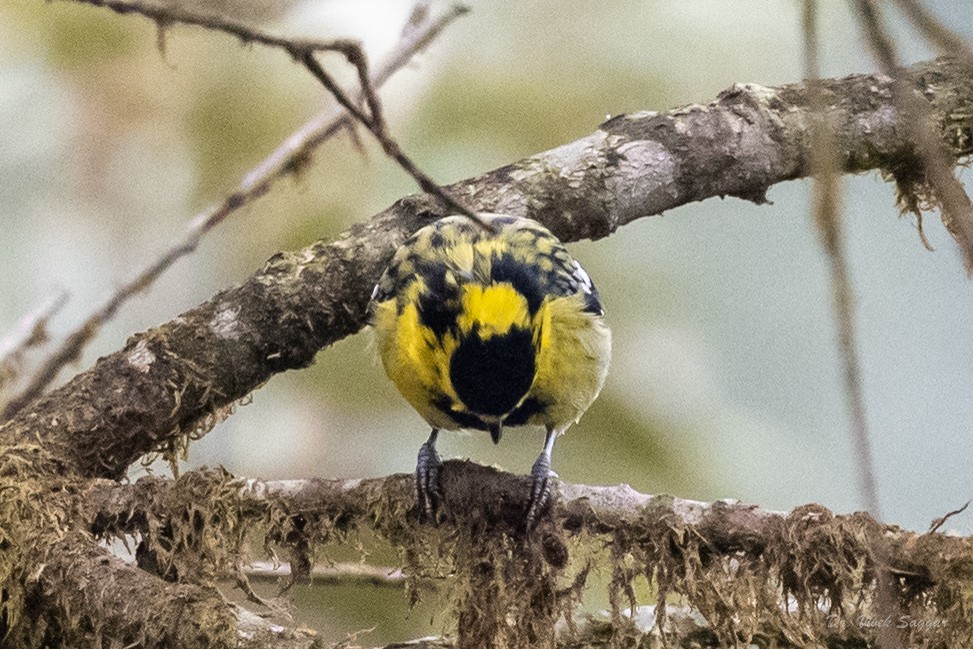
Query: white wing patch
<point x="592" y="300"/>
<point x="583" y="279"/>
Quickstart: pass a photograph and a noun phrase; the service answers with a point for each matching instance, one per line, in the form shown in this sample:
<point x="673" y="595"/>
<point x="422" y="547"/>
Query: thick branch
<point x="170" y="381"/>
<point x="727" y="527"/>
<point x="87" y="593"/>
<point x="90" y="596"/>
<point x="747" y="570"/>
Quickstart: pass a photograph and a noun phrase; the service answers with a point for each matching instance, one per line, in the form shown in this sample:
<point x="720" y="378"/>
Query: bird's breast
<point x="492" y="375"/>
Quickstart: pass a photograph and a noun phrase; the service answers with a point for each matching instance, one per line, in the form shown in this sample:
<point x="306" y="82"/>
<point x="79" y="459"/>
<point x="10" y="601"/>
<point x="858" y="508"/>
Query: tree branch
<point x="29" y="332"/>
<point x="807" y="570"/>
<point x="341" y="573"/>
<point x="375" y="123"/>
<point x="83" y="593"/>
<point x="170" y="382"/>
<point x="945" y="39"/>
<point x="119" y="508"/>
<point x="928" y="181"/>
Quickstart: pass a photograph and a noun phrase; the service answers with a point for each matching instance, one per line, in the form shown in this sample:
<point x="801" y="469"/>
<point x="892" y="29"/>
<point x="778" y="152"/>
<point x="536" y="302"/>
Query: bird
<point x="490" y="324"/>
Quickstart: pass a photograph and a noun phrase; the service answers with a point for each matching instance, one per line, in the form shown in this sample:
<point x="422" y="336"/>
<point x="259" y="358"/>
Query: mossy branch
<point x="376" y="503"/>
<point x="90" y="594"/>
<point x="175" y="380"/>
<point x="748" y="571"/>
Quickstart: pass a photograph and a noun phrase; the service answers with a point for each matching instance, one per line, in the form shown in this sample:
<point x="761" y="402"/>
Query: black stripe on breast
<point x="491" y="376"/>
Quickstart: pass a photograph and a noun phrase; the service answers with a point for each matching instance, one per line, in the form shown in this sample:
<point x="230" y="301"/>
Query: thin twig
<point x="878" y="38"/>
<point x="29" y="332"/>
<point x="172" y="13"/>
<point x="828" y="218"/>
<point x="243" y="583"/>
<point x="936" y="163"/>
<point x="939" y="522"/>
<point x="948" y="41"/>
<point x="931" y="155"/>
<point x="290" y="155"/>
<point x="375" y="123"/>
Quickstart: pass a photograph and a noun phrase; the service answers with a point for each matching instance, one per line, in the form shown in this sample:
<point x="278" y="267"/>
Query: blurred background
<point x="725" y="383"/>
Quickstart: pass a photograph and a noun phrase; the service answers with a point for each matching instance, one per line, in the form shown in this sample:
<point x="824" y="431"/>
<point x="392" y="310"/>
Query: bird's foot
<point x="428" y="467"/>
<point x="540" y="489"/>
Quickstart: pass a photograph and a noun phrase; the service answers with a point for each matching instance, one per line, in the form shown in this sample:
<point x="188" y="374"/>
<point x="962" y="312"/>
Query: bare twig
<point x="878" y="38"/>
<point x="256" y="632"/>
<point x="243" y="583"/>
<point x="933" y="157"/>
<point x="29" y="332"/>
<point x="828" y="218"/>
<point x="939" y="522"/>
<point x="290" y="155"/>
<point x="375" y="123"/>
<point x="172" y="13"/>
<point x="948" y="41"/>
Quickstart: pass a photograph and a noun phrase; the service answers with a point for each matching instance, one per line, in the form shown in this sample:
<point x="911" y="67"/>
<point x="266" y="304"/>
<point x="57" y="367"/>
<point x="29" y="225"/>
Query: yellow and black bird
<point x="485" y="327"/>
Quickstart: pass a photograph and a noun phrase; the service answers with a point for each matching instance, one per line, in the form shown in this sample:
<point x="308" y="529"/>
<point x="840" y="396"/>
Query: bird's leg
<point x="541" y="474"/>
<point x="427" y="479"/>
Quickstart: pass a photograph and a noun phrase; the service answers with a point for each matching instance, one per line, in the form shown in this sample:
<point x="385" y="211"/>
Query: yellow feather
<point x="415" y="362"/>
<point x="572" y="345"/>
<point x="572" y="361"/>
<point x="456" y="304"/>
<point x="493" y="309"/>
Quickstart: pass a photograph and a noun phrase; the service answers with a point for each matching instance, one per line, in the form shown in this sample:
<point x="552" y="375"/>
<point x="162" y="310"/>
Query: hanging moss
<point x="750" y="578"/>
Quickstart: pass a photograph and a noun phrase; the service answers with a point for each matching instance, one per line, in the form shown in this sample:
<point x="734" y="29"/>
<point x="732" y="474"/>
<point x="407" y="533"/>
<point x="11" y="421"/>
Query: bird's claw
<point x="540" y="489"/>
<point x="428" y="494"/>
